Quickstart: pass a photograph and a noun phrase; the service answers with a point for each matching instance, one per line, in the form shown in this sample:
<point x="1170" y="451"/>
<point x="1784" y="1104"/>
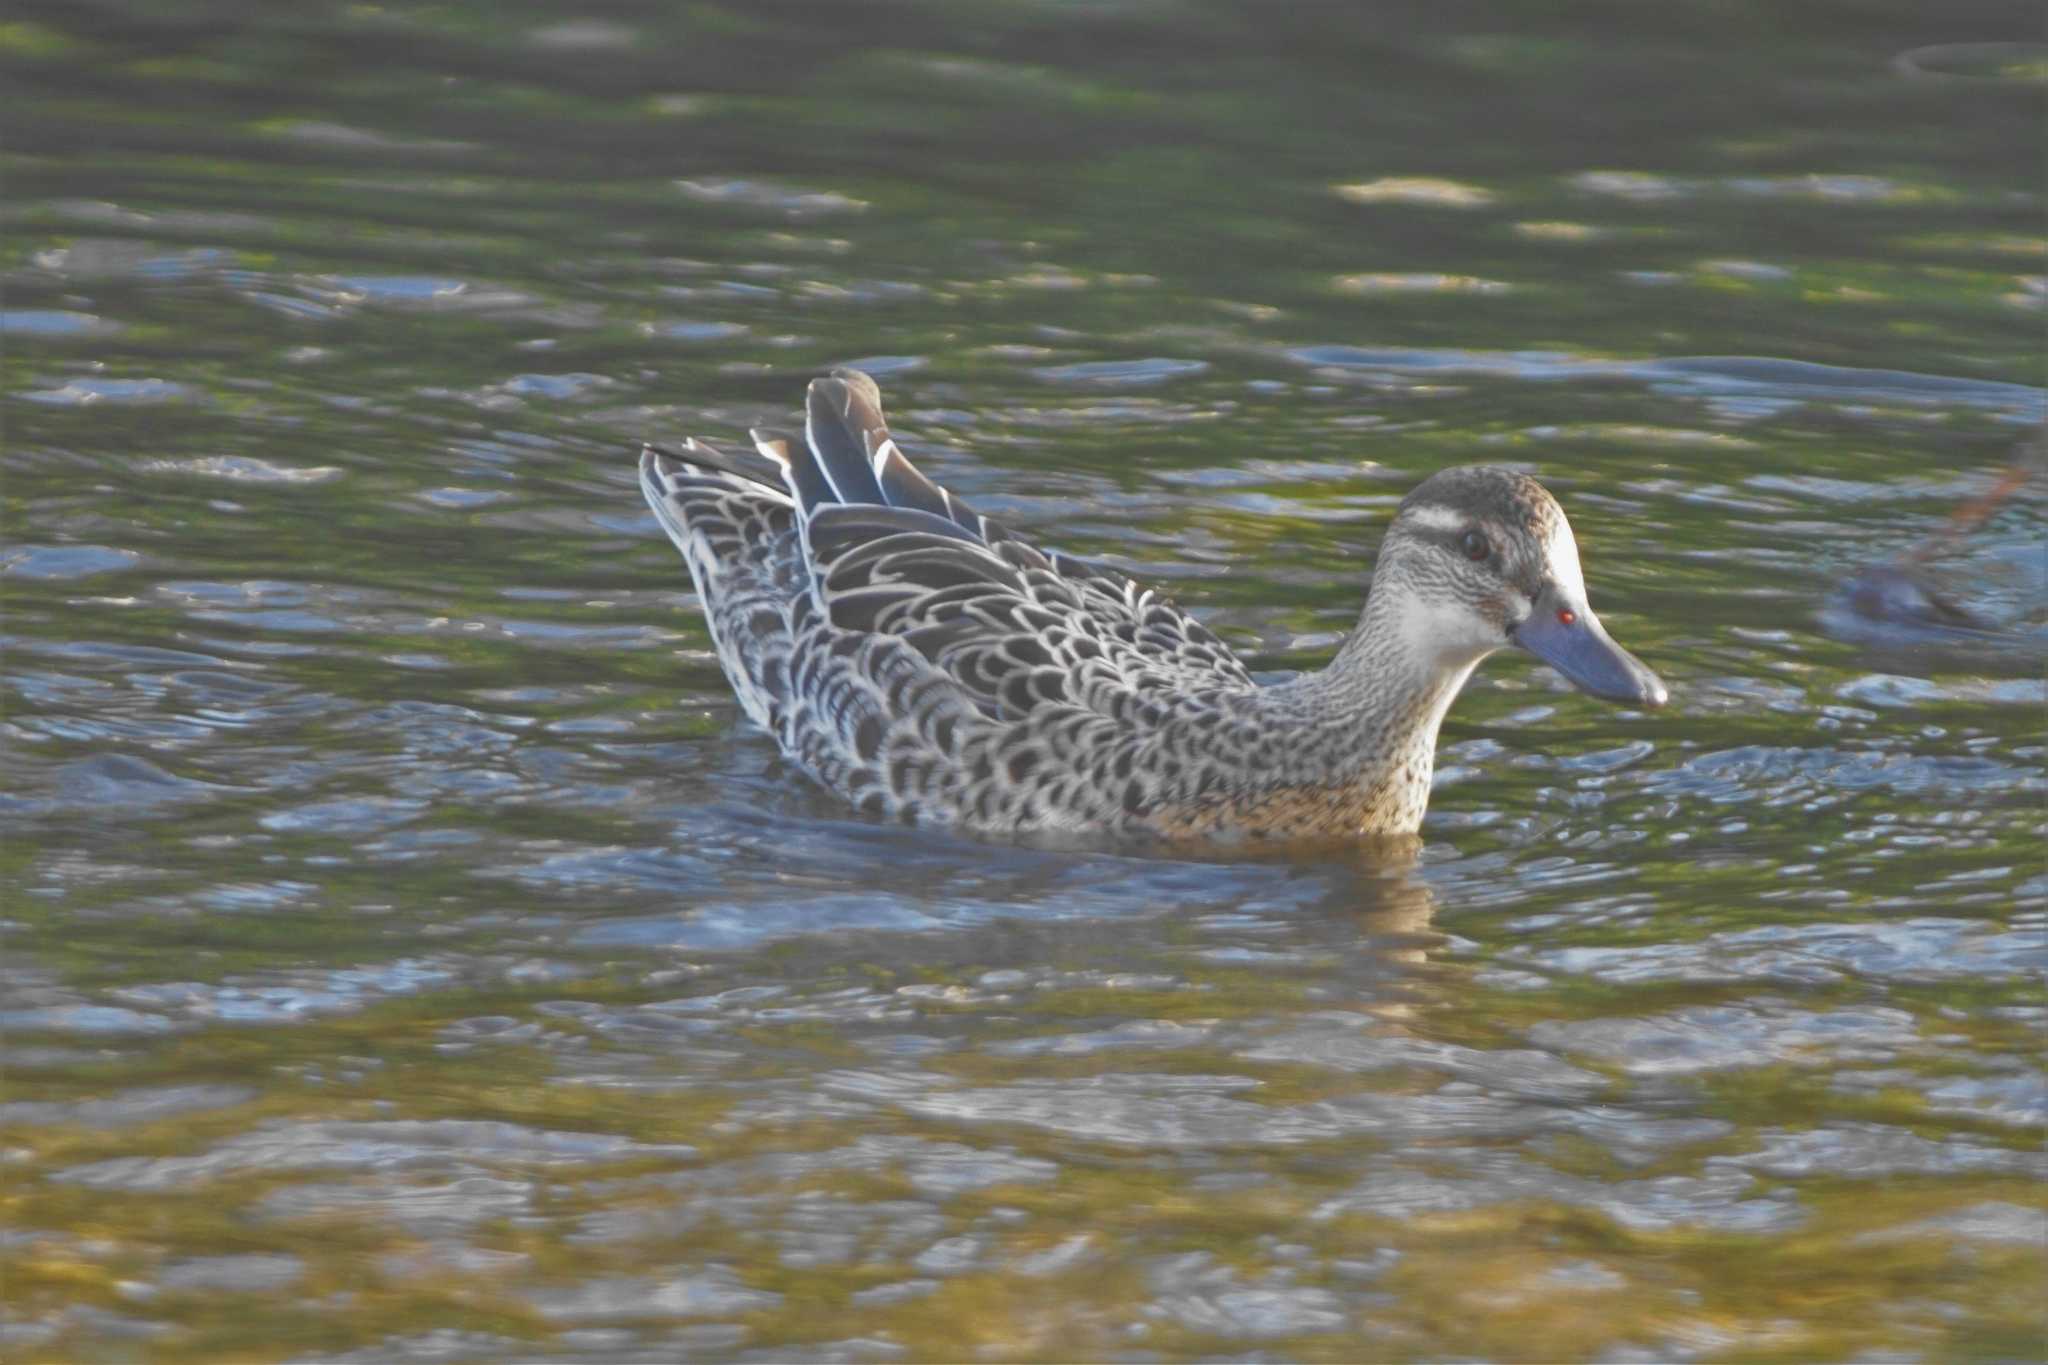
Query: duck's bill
<point x="1582" y="650"/>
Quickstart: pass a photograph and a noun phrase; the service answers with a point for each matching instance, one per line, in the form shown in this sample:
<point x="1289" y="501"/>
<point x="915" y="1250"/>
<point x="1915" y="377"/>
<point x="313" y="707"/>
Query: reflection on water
<point x="412" y="955"/>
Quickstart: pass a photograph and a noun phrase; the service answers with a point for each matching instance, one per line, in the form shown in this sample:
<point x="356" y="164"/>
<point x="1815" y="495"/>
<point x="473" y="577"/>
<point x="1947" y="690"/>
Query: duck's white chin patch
<point x="1447" y="634"/>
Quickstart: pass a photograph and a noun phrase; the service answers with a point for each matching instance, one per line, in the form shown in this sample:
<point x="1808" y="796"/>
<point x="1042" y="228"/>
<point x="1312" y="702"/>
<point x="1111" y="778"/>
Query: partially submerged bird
<point x="1901" y="606"/>
<point x="927" y="663"/>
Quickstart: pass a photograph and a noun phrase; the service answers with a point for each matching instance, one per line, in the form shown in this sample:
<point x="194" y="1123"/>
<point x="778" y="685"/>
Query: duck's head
<point x="1480" y="557"/>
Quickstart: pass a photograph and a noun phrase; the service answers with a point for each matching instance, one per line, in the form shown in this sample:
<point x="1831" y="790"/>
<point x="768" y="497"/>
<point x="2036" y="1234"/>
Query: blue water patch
<point x="403" y="288"/>
<point x="78" y="393"/>
<point x="698" y="331"/>
<point x="743" y="926"/>
<point x="126" y="783"/>
<point x="53" y="322"/>
<point x="81" y="1019"/>
<point x="762" y="194"/>
<point x="885" y="366"/>
<point x="66" y="561"/>
<point x="1706" y="376"/>
<point x="554" y="385"/>
<point x="1121" y="373"/>
<point x="463" y="498"/>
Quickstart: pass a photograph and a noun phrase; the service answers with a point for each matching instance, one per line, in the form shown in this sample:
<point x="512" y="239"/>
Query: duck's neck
<point x="1365" y="727"/>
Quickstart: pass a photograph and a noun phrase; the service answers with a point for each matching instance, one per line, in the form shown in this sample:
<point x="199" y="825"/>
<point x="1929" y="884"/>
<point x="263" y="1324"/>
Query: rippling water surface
<point x="411" y="954"/>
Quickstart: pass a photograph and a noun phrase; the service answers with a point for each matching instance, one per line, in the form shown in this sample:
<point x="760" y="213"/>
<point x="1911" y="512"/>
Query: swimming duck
<point x="927" y="663"/>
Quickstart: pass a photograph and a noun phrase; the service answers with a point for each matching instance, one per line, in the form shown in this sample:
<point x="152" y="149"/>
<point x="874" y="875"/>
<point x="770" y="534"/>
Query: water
<point x="411" y="955"/>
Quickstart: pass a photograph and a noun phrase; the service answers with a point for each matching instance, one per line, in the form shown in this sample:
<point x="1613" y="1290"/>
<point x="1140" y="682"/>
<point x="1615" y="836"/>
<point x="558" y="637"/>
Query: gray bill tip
<point x="1578" y="646"/>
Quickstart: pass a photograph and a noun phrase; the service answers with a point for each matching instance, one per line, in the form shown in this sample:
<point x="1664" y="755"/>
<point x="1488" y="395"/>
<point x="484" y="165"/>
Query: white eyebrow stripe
<point x="1434" y="517"/>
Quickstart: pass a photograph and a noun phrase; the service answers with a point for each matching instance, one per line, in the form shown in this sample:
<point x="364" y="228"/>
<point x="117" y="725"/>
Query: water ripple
<point x="1704" y="376"/>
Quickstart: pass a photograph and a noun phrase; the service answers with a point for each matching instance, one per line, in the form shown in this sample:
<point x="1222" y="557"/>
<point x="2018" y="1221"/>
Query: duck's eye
<point x="1475" y="546"/>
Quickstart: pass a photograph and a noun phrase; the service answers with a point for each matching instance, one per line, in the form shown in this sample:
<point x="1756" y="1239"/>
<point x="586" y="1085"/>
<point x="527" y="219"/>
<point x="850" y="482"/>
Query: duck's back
<point x="915" y="657"/>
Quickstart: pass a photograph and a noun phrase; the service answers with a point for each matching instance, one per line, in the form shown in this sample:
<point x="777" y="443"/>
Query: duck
<point x="930" y="665"/>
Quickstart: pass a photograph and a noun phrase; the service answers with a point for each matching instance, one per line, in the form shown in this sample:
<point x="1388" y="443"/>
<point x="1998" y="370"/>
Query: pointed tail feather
<point x="707" y="456"/>
<point x="800" y="472"/>
<point x="847" y="456"/>
<point x="839" y="413"/>
<point x="898" y="480"/>
<point x="845" y="420"/>
<point x="902" y="484"/>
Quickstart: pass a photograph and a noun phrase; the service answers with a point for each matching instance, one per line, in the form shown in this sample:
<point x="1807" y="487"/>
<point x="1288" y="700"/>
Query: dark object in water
<point x="1898" y="604"/>
<point x="1900" y="595"/>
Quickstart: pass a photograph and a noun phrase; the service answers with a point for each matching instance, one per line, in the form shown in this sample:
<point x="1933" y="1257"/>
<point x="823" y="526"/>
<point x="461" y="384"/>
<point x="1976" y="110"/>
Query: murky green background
<point x="411" y="955"/>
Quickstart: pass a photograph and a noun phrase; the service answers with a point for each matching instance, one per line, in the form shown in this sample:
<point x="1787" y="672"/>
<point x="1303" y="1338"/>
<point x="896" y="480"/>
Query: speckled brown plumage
<point x="926" y="663"/>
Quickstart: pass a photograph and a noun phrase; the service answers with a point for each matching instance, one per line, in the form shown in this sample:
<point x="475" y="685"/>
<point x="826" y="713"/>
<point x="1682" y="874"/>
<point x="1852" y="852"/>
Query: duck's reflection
<point x="1377" y="916"/>
<point x="1355" y="916"/>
